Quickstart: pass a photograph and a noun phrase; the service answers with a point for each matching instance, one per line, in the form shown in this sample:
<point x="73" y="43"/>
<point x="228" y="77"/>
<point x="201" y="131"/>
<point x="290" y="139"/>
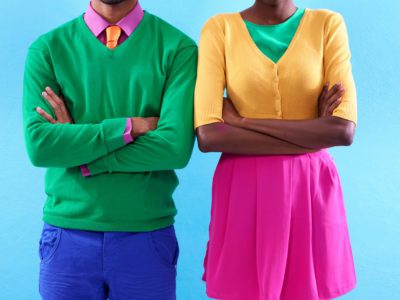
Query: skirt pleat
<point x="278" y="229"/>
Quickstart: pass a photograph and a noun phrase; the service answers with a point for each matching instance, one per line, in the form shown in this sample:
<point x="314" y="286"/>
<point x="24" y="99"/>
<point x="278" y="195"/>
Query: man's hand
<point x="330" y="99"/>
<point x="230" y="114"/>
<point x="141" y="126"/>
<point x="58" y="105"/>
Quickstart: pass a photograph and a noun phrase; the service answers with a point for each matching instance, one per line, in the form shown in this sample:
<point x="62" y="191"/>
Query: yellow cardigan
<point x="259" y="88"/>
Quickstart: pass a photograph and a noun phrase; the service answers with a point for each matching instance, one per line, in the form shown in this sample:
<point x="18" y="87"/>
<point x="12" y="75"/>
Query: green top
<point x="152" y="73"/>
<point x="273" y="40"/>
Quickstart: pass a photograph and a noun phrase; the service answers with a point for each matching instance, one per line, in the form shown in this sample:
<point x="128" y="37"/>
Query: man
<point x="108" y="109"/>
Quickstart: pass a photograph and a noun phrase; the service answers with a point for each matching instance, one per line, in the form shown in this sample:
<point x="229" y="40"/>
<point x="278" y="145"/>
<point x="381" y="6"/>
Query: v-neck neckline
<point x="130" y="39"/>
<point x="292" y="43"/>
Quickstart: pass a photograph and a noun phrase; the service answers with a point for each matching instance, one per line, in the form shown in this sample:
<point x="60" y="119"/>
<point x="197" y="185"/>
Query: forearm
<point x="315" y="133"/>
<point x="221" y="137"/>
<point x="60" y="145"/>
<point x="69" y="145"/>
<point x="151" y="152"/>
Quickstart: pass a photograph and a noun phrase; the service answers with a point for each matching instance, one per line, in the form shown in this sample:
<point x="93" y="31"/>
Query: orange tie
<point x="113" y="33"/>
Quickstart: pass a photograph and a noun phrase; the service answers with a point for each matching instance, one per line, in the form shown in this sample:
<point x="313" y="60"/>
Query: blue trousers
<point x="90" y="265"/>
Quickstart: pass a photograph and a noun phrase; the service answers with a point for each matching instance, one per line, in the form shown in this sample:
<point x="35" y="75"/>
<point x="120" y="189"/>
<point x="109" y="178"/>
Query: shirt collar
<point x="128" y="24"/>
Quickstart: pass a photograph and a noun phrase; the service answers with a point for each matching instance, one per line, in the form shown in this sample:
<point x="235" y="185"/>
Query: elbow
<point x="347" y="140"/>
<point x="205" y="139"/>
<point x="181" y="162"/>
<point x="34" y="147"/>
<point x="204" y="145"/>
<point x="181" y="156"/>
<point x="34" y="156"/>
<point x="347" y="133"/>
<point x="38" y="163"/>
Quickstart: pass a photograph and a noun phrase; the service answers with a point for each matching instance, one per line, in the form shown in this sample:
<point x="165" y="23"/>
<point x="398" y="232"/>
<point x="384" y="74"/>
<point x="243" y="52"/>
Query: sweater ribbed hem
<point x="102" y="226"/>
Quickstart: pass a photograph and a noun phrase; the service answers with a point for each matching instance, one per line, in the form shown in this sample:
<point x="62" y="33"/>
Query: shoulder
<point x="54" y="37"/>
<point x="220" y="22"/>
<point x="332" y="28"/>
<point x="325" y="17"/>
<point x="169" y="33"/>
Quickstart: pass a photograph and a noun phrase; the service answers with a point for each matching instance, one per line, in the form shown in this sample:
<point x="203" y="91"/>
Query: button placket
<point x="278" y="98"/>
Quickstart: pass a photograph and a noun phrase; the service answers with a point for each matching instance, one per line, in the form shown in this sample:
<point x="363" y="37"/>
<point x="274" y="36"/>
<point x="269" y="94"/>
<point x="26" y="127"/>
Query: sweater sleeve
<point x="338" y="67"/>
<point x="61" y="145"/>
<point x="211" y="79"/>
<point x="127" y="138"/>
<point x="170" y="145"/>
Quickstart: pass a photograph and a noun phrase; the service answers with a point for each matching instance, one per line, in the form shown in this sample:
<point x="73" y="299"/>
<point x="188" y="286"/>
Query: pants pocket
<point x="165" y="246"/>
<point x="48" y="243"/>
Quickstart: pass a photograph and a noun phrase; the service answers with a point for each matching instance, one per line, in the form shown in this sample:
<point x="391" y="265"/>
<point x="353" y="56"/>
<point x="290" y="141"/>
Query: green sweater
<point x="152" y="73"/>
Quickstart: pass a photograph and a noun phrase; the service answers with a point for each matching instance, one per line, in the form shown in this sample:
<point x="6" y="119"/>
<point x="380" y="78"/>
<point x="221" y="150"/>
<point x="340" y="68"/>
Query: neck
<point x="115" y="12"/>
<point x="271" y="11"/>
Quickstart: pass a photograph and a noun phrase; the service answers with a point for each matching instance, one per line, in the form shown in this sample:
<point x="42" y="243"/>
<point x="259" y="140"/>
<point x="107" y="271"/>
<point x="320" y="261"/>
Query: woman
<point x="278" y="227"/>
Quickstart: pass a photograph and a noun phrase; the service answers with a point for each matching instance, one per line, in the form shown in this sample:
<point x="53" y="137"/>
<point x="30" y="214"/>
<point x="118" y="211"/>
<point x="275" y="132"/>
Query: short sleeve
<point x="338" y="67"/>
<point x="211" y="80"/>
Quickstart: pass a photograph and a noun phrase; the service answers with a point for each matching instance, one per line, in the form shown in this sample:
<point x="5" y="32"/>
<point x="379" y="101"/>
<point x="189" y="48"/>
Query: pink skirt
<point x="278" y="230"/>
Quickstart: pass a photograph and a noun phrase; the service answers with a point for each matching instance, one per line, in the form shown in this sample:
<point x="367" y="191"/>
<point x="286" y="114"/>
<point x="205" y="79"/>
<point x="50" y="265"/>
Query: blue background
<point x="370" y="169"/>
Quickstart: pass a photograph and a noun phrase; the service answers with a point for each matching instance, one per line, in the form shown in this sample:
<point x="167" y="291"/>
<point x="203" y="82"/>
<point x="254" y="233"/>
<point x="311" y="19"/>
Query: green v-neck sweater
<point x="152" y="73"/>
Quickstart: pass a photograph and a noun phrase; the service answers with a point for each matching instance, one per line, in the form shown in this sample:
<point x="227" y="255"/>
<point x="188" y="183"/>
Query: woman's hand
<point x="323" y="132"/>
<point x="230" y="114"/>
<point x="330" y="99"/>
<point x="58" y="105"/>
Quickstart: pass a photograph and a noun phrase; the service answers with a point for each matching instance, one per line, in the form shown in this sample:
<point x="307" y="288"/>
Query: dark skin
<point x="269" y="12"/>
<point x="112" y="11"/>
<point x="240" y="135"/>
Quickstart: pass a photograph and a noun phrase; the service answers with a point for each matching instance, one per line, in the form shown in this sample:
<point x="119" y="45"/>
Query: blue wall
<point x="370" y="169"/>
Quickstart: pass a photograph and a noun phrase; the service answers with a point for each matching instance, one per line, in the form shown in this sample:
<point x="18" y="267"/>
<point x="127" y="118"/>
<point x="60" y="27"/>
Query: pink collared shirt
<point x="97" y="25"/>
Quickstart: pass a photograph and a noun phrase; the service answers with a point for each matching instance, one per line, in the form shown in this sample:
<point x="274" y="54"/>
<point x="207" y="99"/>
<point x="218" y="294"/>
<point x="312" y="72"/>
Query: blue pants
<point x="89" y="265"/>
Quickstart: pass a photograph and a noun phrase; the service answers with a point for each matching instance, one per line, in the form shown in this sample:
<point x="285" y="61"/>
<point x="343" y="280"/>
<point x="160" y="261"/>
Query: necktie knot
<point x="113" y="33"/>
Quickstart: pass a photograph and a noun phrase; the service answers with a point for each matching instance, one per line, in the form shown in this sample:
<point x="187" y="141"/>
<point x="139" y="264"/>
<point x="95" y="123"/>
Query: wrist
<point x="127" y="135"/>
<point x="134" y="127"/>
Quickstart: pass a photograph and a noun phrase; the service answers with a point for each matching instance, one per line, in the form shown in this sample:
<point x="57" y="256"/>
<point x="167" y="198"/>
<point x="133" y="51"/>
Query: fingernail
<point x="48" y="88"/>
<point x="44" y="94"/>
<point x="38" y="109"/>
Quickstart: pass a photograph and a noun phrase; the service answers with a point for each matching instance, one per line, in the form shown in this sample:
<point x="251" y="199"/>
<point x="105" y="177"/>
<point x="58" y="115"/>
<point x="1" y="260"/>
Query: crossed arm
<point x="240" y="135"/>
<point x="231" y="133"/>
<point x="101" y="146"/>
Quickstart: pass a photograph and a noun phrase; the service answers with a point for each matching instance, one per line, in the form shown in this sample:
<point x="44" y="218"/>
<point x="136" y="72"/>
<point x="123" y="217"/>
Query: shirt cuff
<point x="127" y="133"/>
<point x="85" y="171"/>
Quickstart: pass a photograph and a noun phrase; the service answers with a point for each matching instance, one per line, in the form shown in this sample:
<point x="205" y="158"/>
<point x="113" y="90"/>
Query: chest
<point x="262" y="88"/>
<point x="99" y="83"/>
